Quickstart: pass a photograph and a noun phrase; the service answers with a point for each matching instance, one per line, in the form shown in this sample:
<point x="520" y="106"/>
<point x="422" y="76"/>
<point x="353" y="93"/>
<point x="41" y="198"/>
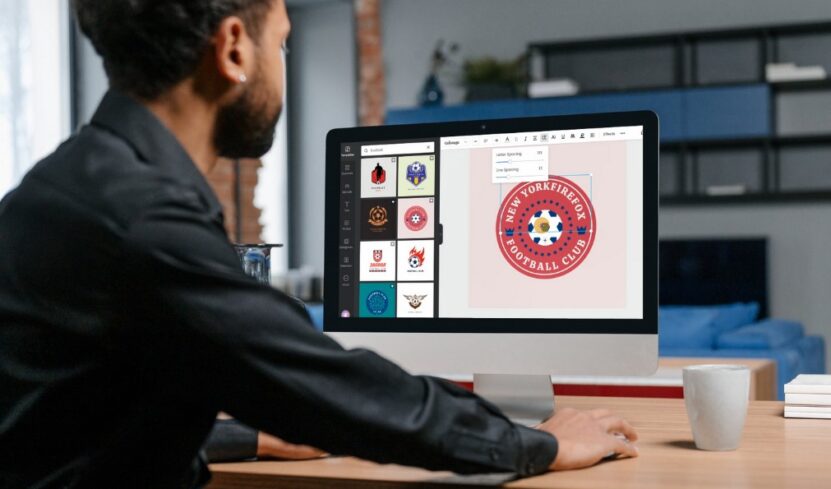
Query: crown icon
<point x="581" y="230"/>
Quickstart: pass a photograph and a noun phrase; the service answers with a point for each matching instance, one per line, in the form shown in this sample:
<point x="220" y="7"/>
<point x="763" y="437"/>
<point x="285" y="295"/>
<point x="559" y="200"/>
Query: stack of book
<point x="808" y="396"/>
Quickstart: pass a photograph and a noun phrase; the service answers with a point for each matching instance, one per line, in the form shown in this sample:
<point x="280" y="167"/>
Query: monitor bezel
<point x="647" y="325"/>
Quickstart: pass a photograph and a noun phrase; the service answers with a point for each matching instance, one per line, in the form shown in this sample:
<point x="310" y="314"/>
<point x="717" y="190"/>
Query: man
<point x="231" y="440"/>
<point x="126" y="323"/>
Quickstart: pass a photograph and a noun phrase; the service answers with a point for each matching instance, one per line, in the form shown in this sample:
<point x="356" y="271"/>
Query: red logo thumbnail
<point x="379" y="175"/>
<point x="415" y="218"/>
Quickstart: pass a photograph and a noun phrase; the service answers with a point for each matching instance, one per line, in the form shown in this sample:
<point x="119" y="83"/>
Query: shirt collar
<point x="153" y="142"/>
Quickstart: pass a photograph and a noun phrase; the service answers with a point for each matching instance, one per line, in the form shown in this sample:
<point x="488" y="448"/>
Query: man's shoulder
<point x="102" y="174"/>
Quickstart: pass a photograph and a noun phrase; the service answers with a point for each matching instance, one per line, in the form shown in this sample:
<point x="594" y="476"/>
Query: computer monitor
<point x="512" y="246"/>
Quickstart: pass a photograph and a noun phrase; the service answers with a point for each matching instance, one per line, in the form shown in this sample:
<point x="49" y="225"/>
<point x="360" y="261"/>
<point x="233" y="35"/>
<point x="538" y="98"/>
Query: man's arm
<point x="231" y="440"/>
<point x="253" y="350"/>
<point x="265" y="365"/>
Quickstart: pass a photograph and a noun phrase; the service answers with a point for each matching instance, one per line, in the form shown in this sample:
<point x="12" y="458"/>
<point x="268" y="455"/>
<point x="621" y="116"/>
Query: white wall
<point x="322" y="92"/>
<point x="91" y="80"/>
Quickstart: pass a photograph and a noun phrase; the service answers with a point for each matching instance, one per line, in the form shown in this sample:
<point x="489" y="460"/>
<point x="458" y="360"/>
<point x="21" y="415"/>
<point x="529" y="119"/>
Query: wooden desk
<point x="775" y="453"/>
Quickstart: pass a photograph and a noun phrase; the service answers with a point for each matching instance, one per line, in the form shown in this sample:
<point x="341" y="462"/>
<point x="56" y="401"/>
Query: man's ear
<point x="234" y="51"/>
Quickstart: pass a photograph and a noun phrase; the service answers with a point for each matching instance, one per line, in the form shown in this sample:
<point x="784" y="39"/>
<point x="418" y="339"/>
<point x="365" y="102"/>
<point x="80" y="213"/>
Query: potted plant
<point x="488" y="78"/>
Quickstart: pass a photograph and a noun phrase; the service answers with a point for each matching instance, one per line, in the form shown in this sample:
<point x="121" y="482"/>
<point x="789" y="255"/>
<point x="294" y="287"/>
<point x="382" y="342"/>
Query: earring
<point x="243" y="78"/>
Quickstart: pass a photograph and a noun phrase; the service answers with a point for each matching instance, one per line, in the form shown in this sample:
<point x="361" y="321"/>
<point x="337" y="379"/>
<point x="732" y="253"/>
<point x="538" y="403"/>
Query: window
<point x="34" y="84"/>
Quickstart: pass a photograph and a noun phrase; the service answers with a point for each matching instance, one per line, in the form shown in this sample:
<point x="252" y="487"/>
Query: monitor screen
<point x="527" y="225"/>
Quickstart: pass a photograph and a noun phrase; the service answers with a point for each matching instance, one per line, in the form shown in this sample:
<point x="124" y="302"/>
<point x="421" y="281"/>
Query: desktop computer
<point x="511" y="249"/>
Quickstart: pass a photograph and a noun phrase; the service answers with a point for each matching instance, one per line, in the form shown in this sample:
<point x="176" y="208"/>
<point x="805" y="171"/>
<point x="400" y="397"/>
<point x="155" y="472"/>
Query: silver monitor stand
<point x="525" y="399"/>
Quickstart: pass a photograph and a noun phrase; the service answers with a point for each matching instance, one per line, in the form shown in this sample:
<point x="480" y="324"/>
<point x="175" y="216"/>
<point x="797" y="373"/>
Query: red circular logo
<point x="415" y="218"/>
<point x="546" y="229"/>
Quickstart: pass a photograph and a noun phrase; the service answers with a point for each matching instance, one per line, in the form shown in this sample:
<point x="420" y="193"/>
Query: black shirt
<point x="126" y="324"/>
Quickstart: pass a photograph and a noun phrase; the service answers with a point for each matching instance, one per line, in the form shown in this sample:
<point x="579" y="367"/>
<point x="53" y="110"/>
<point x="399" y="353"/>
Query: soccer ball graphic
<point x="416" y="259"/>
<point x="545" y="227"/>
<point x="415" y="218"/>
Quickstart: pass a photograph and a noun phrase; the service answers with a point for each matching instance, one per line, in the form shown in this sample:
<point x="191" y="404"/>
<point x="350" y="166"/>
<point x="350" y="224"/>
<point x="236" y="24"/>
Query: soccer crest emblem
<point x="416" y="173"/>
<point x="377" y="255"/>
<point x="377" y="302"/>
<point x="415" y="218"/>
<point x="546" y="229"/>
<point x="378" y="216"/>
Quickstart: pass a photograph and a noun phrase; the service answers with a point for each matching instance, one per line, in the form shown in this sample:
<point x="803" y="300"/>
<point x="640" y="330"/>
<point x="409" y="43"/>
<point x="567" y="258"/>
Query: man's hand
<point x="272" y="447"/>
<point x="587" y="437"/>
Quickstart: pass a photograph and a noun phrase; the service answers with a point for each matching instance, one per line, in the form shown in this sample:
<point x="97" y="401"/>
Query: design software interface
<point x="520" y="225"/>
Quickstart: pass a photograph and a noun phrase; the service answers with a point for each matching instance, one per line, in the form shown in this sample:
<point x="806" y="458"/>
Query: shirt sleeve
<point x="265" y="364"/>
<point x="231" y="440"/>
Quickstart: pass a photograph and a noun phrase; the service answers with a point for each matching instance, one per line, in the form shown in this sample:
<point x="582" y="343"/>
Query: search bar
<point x="398" y="149"/>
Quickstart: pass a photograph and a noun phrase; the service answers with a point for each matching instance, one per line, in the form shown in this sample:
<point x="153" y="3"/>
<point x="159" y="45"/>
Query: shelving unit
<point x="722" y="125"/>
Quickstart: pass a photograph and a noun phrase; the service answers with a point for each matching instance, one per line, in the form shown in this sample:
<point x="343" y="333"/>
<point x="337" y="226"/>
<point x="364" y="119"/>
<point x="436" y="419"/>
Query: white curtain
<point x="34" y="84"/>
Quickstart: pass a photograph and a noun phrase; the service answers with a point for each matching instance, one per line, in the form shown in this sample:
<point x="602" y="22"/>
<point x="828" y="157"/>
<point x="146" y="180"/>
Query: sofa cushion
<point x="726" y="317"/>
<point x="732" y="316"/>
<point x="687" y="327"/>
<point x="767" y="334"/>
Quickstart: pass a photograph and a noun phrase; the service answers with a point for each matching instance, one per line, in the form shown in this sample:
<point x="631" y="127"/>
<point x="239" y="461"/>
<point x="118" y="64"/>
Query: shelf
<point x="803" y="85"/>
<point x="803" y="139"/>
<point x="727" y="143"/>
<point x="685" y="59"/>
<point x="755" y="198"/>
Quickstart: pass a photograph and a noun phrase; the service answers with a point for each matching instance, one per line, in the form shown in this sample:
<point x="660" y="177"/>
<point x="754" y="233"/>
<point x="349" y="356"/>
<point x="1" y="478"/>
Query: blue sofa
<point x="726" y="331"/>
<point x="733" y="331"/>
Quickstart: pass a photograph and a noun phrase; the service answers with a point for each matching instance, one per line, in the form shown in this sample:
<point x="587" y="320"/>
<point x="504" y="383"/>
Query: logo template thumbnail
<point x="416" y="260"/>
<point x="377" y="261"/>
<point x="377" y="300"/>
<point x="378" y="177"/>
<point x="416" y="175"/>
<point x="379" y="220"/>
<point x="415" y="218"/>
<point x="415" y="300"/>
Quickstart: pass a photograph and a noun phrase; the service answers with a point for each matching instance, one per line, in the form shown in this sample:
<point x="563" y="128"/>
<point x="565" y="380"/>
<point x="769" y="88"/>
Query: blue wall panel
<point x="666" y="103"/>
<point x="727" y="112"/>
<point x="685" y="114"/>
<point x="499" y="109"/>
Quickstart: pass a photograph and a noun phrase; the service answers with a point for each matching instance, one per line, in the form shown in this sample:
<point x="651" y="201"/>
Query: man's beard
<point x="244" y="129"/>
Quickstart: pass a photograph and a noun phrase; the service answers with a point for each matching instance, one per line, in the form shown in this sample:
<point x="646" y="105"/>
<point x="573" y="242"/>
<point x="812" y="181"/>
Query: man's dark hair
<point x="150" y="45"/>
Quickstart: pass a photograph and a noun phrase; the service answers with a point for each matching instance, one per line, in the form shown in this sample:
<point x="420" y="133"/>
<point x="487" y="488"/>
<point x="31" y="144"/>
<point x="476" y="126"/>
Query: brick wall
<point x="221" y="180"/>
<point x="371" y="84"/>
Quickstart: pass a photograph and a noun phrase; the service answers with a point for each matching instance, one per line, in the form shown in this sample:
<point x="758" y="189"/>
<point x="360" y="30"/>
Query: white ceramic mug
<point x="716" y="397"/>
